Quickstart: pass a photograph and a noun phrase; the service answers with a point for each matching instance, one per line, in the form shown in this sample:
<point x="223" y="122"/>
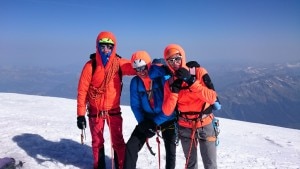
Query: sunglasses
<point x="106" y="46"/>
<point x="175" y="59"/>
<point x="140" y="69"/>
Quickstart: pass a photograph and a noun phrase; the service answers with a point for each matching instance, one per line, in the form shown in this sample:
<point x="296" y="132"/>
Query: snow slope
<point x="42" y="132"/>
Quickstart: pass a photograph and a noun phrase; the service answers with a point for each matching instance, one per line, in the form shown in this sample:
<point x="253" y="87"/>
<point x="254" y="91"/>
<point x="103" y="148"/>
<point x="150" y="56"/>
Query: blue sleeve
<point x="135" y="100"/>
<point x="156" y="71"/>
<point x="163" y="118"/>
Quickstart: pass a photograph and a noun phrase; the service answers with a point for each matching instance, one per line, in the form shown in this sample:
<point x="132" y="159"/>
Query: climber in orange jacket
<point x="99" y="92"/>
<point x="187" y="91"/>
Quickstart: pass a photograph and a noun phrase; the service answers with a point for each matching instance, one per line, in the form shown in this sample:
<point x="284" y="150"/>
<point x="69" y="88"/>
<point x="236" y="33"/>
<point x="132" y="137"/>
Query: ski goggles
<point x="176" y="59"/>
<point x="103" y="46"/>
<point x="141" y="68"/>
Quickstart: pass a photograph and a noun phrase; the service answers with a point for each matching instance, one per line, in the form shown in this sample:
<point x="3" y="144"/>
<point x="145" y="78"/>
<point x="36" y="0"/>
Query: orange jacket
<point x="191" y="99"/>
<point x="100" y="92"/>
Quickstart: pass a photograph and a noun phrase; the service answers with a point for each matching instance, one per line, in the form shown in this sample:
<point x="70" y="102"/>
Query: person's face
<point x="175" y="61"/>
<point x="105" y="48"/>
<point x="142" y="71"/>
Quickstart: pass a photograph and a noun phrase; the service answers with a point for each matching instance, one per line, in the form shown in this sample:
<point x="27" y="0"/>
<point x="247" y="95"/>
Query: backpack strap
<point x="208" y="82"/>
<point x="150" y="92"/>
<point x="94" y="64"/>
<point x="120" y="74"/>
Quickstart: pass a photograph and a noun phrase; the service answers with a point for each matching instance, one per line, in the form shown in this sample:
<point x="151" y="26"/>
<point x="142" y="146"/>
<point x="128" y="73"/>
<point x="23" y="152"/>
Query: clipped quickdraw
<point x="215" y="123"/>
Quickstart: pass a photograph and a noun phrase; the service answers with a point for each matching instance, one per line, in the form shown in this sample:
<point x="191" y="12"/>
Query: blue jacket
<point x="139" y="102"/>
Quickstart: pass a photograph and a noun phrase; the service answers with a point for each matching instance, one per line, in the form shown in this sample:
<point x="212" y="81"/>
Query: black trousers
<point x="137" y="141"/>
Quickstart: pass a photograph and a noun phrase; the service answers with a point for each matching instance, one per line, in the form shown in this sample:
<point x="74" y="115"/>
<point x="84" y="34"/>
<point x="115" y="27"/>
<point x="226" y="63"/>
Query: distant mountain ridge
<point x="268" y="95"/>
<point x="38" y="81"/>
<point x="263" y="94"/>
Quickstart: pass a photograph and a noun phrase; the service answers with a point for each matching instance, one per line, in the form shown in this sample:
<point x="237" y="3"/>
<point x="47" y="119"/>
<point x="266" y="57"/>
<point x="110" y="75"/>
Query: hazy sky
<point x="63" y="32"/>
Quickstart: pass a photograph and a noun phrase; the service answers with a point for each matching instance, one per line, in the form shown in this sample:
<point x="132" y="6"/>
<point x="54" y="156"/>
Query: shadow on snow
<point x="66" y="151"/>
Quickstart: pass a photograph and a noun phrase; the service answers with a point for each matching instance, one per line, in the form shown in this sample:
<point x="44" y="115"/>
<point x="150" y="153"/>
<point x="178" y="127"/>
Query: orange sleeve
<point x="170" y="100"/>
<point x="126" y="67"/>
<point x="83" y="87"/>
<point x="205" y="94"/>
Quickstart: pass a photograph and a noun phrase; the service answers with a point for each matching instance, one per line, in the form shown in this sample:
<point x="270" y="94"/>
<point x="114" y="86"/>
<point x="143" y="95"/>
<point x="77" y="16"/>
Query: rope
<point x="158" y="145"/>
<point x="191" y="144"/>
<point x="97" y="92"/>
<point x="110" y="73"/>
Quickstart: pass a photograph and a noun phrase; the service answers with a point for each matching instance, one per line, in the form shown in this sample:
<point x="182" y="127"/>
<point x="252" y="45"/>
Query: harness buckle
<point x="103" y="114"/>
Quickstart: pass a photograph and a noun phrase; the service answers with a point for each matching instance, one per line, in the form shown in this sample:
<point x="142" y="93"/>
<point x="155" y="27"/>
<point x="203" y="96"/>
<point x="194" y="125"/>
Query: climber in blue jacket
<point x="146" y="97"/>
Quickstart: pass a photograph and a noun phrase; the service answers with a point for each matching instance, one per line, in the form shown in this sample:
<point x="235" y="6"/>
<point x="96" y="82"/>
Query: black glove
<point x="81" y="122"/>
<point x="150" y="133"/>
<point x="176" y="86"/>
<point x="191" y="64"/>
<point x="167" y="70"/>
<point x="147" y="127"/>
<point x="185" y="75"/>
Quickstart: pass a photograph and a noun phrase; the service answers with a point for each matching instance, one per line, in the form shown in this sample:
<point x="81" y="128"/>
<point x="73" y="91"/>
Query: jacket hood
<point x="172" y="49"/>
<point x="140" y="58"/>
<point x="107" y="35"/>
